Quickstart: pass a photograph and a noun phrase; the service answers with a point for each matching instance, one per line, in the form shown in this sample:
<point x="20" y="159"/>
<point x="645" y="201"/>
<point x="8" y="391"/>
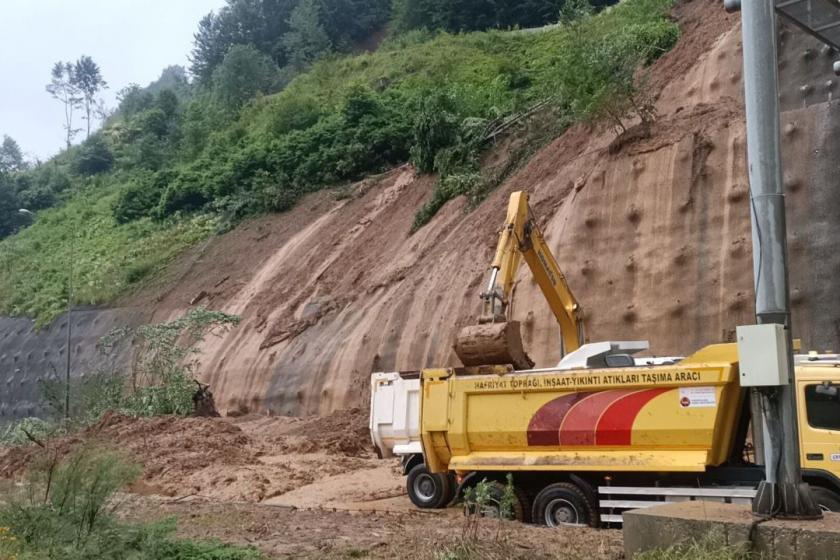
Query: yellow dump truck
<point x="585" y="443"/>
<point x="603" y="431"/>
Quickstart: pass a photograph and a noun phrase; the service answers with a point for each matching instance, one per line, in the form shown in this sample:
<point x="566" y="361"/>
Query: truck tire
<point x="497" y="492"/>
<point x="826" y="499"/>
<point x="562" y="504"/>
<point x="428" y="490"/>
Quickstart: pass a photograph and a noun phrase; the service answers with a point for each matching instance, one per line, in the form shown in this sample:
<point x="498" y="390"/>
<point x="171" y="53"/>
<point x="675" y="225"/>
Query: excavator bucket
<point x="492" y="344"/>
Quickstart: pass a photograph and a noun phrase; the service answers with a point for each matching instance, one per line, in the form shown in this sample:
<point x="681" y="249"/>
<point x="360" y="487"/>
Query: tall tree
<point x="63" y="87"/>
<point x="208" y="48"/>
<point x="265" y="24"/>
<point x="88" y="80"/>
<point x="306" y="39"/>
<point x="134" y="99"/>
<point x="11" y="156"/>
<point x="243" y="72"/>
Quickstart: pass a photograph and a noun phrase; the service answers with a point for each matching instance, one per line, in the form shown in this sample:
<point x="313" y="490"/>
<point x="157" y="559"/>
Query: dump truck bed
<point x="672" y="418"/>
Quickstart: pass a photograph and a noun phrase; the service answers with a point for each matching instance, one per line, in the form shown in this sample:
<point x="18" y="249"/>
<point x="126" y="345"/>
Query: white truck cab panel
<point x="395" y="413"/>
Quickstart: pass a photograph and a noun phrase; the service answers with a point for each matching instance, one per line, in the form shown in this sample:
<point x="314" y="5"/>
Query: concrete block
<point x="667" y="525"/>
<point x="679" y="523"/>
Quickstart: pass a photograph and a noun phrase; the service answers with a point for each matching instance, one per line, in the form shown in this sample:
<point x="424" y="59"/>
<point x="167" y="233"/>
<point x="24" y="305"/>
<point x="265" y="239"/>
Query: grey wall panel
<point x="29" y="356"/>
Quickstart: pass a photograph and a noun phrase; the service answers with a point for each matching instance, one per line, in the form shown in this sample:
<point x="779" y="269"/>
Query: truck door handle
<point x="815" y="457"/>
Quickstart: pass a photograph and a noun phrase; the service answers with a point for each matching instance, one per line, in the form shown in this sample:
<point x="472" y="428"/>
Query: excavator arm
<point x="496" y="339"/>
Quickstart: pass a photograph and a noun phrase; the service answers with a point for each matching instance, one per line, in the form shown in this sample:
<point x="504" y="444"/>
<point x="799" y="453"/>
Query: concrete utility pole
<point x="782" y="493"/>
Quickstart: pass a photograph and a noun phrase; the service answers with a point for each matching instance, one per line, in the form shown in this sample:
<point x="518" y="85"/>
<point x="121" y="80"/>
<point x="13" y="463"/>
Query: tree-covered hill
<point x="180" y="161"/>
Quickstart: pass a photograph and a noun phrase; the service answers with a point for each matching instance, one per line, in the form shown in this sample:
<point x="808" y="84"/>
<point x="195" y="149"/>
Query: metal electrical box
<point x="762" y="353"/>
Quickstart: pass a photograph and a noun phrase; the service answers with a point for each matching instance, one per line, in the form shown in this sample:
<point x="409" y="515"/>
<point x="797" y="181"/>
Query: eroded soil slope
<point x="651" y="229"/>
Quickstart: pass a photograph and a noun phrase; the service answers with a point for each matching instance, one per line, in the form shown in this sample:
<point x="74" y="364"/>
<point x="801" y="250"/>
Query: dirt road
<point x="283" y="532"/>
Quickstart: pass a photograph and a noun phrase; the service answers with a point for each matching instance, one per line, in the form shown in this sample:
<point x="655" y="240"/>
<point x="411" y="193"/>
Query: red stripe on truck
<point x="615" y="426"/>
<point x="579" y="425"/>
<point x="544" y="428"/>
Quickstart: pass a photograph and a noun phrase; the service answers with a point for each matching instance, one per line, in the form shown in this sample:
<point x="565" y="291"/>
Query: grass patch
<point x="706" y="549"/>
<point x="107" y="258"/>
<point x="67" y="510"/>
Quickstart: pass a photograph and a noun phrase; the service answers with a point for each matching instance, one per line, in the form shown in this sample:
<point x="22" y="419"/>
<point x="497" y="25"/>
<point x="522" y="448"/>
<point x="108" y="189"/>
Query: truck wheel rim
<point x="424" y="487"/>
<point x="560" y="512"/>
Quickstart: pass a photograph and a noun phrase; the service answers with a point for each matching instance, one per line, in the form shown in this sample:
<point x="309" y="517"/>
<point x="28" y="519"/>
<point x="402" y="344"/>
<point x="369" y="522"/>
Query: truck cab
<point x="818" y="409"/>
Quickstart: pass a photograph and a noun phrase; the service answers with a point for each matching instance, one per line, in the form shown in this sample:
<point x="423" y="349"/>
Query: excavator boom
<point x="497" y="340"/>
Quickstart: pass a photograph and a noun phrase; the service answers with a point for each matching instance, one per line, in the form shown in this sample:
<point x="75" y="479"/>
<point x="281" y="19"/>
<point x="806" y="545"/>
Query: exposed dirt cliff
<point x="652" y="230"/>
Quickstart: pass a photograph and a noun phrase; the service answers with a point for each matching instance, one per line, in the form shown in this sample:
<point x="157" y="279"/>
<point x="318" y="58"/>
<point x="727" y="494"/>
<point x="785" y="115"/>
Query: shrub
<point x="447" y="188"/>
<point x="66" y="511"/>
<point x="140" y="197"/>
<point x="294" y="113"/>
<point x="435" y="128"/>
<point x="93" y="157"/>
<point x="242" y="74"/>
<point x="606" y="77"/>
<point x="23" y="431"/>
<point x="161" y="380"/>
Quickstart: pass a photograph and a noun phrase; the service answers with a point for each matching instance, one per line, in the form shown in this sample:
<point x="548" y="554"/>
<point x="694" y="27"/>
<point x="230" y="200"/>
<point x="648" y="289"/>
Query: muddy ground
<point x="283" y="532"/>
<point x="295" y="488"/>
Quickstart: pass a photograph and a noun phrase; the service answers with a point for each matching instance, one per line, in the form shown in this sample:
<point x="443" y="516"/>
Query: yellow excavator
<point x="496" y="339"/>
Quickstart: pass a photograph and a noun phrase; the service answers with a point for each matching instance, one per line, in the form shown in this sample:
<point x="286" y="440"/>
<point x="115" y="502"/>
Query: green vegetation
<point x="179" y="162"/>
<point x="106" y="258"/>
<point x="482" y="500"/>
<point x="477" y="15"/>
<point x="485" y="499"/>
<point x="293" y="33"/>
<point x="161" y="380"/>
<point x="707" y="549"/>
<point x="67" y="511"/>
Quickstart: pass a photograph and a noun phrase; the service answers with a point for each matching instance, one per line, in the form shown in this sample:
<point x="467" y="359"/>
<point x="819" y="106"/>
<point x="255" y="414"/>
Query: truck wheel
<point x="428" y="490"/>
<point x="826" y="499"/>
<point x="492" y="509"/>
<point x="562" y="504"/>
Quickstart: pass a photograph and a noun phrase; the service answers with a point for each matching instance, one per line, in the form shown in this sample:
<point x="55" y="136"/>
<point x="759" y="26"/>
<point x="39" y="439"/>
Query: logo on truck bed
<point x="599" y="418"/>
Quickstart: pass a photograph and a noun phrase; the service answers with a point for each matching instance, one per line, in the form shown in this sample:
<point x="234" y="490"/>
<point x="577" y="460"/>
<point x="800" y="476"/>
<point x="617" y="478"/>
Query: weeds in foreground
<point x="487" y="499"/>
<point x="706" y="549"/>
<point x="67" y="510"/>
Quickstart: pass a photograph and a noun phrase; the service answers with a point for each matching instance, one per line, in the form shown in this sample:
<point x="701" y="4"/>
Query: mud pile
<point x="244" y="459"/>
<point x="652" y="230"/>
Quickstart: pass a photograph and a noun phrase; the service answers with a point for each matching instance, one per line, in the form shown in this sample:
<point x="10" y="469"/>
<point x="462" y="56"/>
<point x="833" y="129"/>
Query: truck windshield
<point x="823" y="409"/>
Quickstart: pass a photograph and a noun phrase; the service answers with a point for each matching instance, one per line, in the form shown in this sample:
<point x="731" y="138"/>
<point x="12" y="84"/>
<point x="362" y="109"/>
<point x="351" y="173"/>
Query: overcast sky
<point x="131" y="40"/>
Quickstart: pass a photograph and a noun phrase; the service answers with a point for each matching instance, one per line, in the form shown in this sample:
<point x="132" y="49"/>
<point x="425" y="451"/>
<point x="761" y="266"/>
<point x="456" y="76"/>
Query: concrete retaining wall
<point x="664" y="526"/>
<point x="29" y="356"/>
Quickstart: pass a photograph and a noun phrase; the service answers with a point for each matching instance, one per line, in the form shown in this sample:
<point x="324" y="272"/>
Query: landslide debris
<point x="245" y="459"/>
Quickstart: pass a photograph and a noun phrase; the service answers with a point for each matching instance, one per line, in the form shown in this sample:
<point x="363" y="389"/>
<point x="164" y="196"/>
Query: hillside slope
<point x="653" y="233"/>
